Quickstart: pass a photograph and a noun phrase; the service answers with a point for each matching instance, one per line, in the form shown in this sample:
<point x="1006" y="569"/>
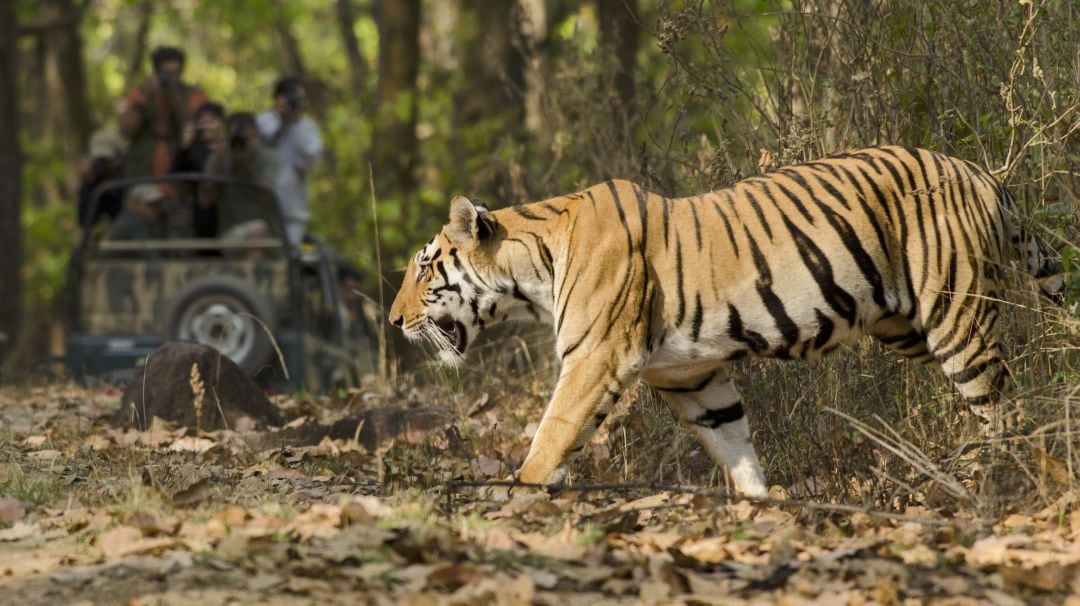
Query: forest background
<point x="511" y="101"/>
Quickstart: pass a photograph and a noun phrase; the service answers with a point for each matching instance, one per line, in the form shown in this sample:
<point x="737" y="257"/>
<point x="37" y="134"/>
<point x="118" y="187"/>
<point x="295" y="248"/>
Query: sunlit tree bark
<point x="393" y="156"/>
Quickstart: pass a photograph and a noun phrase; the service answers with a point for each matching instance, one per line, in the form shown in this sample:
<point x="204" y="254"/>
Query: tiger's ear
<point x="469" y="222"/>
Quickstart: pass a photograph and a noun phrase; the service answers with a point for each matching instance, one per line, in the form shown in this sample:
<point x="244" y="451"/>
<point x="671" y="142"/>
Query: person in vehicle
<point x="241" y="210"/>
<point x="294" y="136"/>
<point x="201" y="137"/>
<point x="204" y="136"/>
<point x="144" y="216"/>
<point x="155" y="113"/>
<point x="105" y="161"/>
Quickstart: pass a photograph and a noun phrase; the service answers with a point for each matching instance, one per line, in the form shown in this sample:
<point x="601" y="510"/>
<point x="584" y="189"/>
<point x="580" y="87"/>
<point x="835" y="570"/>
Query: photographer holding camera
<point x="201" y="138"/>
<point x="241" y="210"/>
<point x="294" y="136"/>
<point x="155" y="114"/>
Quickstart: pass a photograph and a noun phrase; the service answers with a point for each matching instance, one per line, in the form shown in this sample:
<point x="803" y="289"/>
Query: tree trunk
<point x="394" y="145"/>
<point x="65" y="81"/>
<point x="619" y="31"/>
<point x="10" y="223"/>
<point x="346" y="12"/>
<point x="137" y="60"/>
<point x="492" y="62"/>
<point x="294" y="62"/>
<point x="534" y="33"/>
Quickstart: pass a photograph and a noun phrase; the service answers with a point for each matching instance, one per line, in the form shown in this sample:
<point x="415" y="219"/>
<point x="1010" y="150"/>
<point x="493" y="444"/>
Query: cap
<point x="147" y="192"/>
<point x="106" y="144"/>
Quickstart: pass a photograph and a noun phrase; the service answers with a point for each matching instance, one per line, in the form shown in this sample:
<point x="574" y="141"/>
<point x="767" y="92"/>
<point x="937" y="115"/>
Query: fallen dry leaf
<point x="556" y="547"/>
<point x="1054" y="468"/>
<point x="34" y="441"/>
<point x="18" y="532"/>
<point x="128" y="540"/>
<point x="191" y="444"/>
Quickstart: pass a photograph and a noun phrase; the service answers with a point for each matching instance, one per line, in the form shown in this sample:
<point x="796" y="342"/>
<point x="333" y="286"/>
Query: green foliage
<point x="716" y="82"/>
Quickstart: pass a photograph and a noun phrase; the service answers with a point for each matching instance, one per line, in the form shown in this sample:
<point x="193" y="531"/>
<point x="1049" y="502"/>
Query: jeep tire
<point x="227" y="314"/>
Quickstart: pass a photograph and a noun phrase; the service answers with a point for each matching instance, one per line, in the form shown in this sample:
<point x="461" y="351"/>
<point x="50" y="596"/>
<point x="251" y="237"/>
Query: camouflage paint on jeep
<point x="130" y="296"/>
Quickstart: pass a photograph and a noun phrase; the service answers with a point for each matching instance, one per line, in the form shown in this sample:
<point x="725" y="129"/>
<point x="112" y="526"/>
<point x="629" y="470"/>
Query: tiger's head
<point x="451" y="289"/>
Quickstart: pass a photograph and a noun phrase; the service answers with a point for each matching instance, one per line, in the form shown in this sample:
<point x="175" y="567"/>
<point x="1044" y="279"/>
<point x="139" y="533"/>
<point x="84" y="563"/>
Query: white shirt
<point x="298" y="148"/>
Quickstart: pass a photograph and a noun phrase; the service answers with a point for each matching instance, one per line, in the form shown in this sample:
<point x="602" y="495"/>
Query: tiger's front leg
<point x="587" y="388"/>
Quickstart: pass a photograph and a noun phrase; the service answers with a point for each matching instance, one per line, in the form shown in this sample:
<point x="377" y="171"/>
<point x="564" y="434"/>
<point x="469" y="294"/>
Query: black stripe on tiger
<point x="643" y="214"/>
<point x="697" y="222"/>
<point x="692" y="388"/>
<point x="573" y="346"/>
<point x="821" y="271"/>
<point x="752" y="200"/>
<point x="754" y="340"/>
<point x="617" y="201"/>
<point x="526" y="213"/>
<point x="773" y="304"/>
<point x="551" y="208"/>
<point x="850" y="239"/>
<point x="680" y="295"/>
<point x="698" y="319"/>
<point x="848" y="178"/>
<point x="714" y="418"/>
<point x="727" y="225"/>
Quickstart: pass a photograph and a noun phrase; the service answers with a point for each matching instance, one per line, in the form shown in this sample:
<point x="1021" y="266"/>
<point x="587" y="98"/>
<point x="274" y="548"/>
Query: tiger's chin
<point x="452" y="357"/>
<point x="455" y="340"/>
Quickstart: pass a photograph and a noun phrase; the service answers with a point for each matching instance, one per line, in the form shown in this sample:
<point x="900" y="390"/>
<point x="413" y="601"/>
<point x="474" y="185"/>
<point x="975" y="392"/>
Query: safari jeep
<point x="291" y="317"/>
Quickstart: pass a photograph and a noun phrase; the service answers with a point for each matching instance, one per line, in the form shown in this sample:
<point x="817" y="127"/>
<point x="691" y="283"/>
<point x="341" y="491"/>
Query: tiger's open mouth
<point x="455" y="331"/>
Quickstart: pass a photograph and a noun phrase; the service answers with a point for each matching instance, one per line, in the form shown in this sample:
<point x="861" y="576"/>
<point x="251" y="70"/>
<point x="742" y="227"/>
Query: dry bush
<point x="994" y="82"/>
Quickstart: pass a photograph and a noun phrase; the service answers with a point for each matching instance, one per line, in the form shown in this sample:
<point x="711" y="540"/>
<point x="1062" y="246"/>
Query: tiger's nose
<point x="397" y="320"/>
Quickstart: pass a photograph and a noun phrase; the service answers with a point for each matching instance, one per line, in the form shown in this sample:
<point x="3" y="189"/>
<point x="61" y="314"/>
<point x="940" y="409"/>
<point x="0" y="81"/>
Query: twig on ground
<point x="453" y="486"/>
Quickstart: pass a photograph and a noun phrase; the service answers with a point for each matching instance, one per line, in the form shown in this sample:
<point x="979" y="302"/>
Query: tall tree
<point x="66" y="98"/>
<point x="619" y="32"/>
<point x="534" y="38"/>
<point x="492" y="61"/>
<point x="10" y="176"/>
<point x="358" y="71"/>
<point x="136" y="61"/>
<point x="394" y="145"/>
<point x="294" y="61"/>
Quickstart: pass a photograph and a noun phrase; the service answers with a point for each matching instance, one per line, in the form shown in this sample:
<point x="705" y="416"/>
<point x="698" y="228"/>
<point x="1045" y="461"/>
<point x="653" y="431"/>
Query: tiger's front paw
<point x="505" y="492"/>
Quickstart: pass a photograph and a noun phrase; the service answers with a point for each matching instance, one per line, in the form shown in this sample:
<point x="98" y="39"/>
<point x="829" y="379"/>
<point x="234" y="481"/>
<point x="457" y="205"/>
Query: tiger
<point x="906" y="245"/>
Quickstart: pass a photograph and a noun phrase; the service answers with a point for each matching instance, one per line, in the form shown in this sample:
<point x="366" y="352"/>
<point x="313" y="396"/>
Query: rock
<point x="163" y="388"/>
<point x="11" y="510"/>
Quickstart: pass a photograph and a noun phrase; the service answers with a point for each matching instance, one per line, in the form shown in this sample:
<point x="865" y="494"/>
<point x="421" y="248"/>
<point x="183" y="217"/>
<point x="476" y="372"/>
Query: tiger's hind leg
<point x="970" y="353"/>
<point x="899" y="335"/>
<point x="711" y="404"/>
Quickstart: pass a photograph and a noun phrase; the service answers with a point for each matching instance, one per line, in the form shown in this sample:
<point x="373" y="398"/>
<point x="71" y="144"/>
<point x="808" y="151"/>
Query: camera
<point x="237" y="141"/>
<point x="295" y="102"/>
<point x="166" y="78"/>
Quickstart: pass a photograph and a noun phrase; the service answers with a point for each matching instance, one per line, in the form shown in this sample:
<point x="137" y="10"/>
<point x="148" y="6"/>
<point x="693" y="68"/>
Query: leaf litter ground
<point x="92" y="512"/>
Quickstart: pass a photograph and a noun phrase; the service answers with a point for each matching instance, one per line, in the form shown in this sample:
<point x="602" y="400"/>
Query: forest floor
<point x="92" y="512"/>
